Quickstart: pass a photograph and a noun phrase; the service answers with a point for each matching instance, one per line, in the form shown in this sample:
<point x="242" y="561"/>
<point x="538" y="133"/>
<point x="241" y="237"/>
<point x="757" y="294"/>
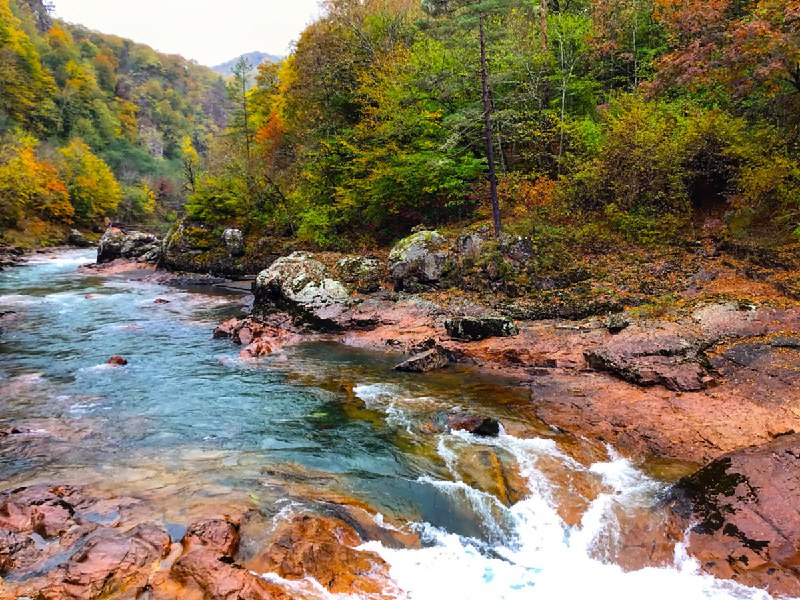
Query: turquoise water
<point x="193" y="429"/>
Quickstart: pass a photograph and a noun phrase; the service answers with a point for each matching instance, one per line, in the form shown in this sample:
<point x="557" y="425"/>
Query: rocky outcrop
<point x="234" y="242"/>
<point x="473" y="329"/>
<point x="10" y="256"/>
<point x="746" y="510"/>
<point x="431" y="360"/>
<point x="420" y="261"/>
<point x="118" y="243"/>
<point x="668" y="356"/>
<point x="303" y="286"/>
<point x="325" y="549"/>
<point x="109" y="564"/>
<point x="41" y="14"/>
<point x="192" y="247"/>
<point x="364" y="273"/>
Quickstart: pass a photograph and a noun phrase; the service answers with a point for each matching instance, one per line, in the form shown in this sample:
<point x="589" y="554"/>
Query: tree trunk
<point x="487" y="122"/>
<point x="246" y="121"/>
<point x="543" y="15"/>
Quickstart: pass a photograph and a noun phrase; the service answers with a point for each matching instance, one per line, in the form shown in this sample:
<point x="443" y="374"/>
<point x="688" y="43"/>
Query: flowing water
<point x="189" y="426"/>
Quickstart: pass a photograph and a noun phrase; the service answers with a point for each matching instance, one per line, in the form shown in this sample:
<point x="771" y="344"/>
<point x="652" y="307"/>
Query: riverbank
<point x="550" y="375"/>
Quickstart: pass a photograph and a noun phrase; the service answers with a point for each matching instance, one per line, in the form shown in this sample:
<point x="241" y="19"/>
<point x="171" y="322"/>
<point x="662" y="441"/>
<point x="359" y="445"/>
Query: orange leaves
<point x="755" y="46"/>
<point x="29" y="185"/>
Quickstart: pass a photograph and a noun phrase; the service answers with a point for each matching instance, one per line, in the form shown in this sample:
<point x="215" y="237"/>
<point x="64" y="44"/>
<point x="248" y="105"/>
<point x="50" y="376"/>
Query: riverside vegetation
<point x="595" y="201"/>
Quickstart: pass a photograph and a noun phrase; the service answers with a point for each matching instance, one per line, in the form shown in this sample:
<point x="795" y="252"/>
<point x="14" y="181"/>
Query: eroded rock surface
<point x="746" y="506"/>
<point x="325" y="549"/>
<point x="666" y="355"/>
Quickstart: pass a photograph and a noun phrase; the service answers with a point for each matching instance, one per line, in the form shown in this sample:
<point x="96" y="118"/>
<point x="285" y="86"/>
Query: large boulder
<point x="326" y="549"/>
<point x="420" y="261"/>
<point x="472" y="329"/>
<point x="362" y="272"/>
<point x="234" y="242"/>
<point x="119" y="243"/>
<point x="78" y="240"/>
<point x="662" y="355"/>
<point x="194" y="247"/>
<point x="746" y="509"/>
<point x="302" y="286"/>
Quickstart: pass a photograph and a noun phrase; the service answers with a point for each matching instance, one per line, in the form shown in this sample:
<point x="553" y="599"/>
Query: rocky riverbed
<point x="584" y="438"/>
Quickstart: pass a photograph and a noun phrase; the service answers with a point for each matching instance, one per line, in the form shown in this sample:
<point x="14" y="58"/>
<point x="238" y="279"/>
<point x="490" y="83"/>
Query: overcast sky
<point x="208" y="31"/>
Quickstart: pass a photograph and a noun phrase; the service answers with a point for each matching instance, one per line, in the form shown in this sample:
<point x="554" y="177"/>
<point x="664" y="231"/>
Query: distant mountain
<point x="254" y="58"/>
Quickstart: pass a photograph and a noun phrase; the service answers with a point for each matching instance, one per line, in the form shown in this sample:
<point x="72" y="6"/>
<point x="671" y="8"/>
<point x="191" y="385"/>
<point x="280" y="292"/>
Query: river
<point x="187" y="424"/>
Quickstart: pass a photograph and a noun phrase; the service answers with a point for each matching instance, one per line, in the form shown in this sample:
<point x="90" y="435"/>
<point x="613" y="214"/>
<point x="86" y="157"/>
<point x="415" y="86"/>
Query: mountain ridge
<point x="255" y="59"/>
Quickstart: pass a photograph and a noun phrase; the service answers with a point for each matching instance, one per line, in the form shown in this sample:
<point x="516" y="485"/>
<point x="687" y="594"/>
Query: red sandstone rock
<point x="324" y="548"/>
<point x="37" y="509"/>
<point x="216" y="578"/>
<point x="111" y="563"/>
<point x="221" y="537"/>
<point x="748" y="507"/>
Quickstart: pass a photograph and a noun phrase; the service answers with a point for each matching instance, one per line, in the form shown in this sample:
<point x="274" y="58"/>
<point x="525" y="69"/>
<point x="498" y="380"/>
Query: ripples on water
<point x="188" y="423"/>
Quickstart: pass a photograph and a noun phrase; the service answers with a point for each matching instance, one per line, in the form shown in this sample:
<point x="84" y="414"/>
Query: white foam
<point x="541" y="557"/>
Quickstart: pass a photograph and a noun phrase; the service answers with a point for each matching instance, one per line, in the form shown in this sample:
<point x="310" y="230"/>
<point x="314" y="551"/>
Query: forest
<point x="577" y="123"/>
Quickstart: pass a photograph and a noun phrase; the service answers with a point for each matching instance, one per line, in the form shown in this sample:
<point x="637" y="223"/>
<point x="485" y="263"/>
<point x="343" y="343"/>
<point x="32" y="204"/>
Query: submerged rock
<point x="302" y="286"/>
<point x="419" y="261"/>
<point x="746" y="506"/>
<point x="475" y="424"/>
<point x="117" y="243"/>
<point x="258" y="338"/>
<point x="431" y="360"/>
<point x="473" y="329"/>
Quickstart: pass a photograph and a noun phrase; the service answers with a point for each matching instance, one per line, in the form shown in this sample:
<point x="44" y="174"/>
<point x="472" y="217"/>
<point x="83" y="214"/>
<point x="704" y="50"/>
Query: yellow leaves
<point x="93" y="189"/>
<point x="150" y="200"/>
<point x="30" y="185"/>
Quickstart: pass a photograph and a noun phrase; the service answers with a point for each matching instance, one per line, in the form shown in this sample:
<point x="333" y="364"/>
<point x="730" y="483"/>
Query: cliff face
<point x="41" y="12"/>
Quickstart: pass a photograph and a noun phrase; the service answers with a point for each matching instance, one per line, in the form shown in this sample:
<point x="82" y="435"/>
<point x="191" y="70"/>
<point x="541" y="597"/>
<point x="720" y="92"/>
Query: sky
<point x="208" y="31"/>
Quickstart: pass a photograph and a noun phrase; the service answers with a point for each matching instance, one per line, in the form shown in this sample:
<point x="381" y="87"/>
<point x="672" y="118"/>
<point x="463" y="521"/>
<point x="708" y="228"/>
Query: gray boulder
<point x="473" y="329"/>
<point x="362" y="272"/>
<point x="117" y="243"/>
<point x="234" y="242"/>
<point x="470" y="246"/>
<point x="419" y="261"/>
<point x="77" y="239"/>
<point x="302" y="286"/>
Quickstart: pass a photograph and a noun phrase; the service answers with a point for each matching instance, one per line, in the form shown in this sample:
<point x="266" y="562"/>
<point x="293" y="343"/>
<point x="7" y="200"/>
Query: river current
<point x="187" y="424"/>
